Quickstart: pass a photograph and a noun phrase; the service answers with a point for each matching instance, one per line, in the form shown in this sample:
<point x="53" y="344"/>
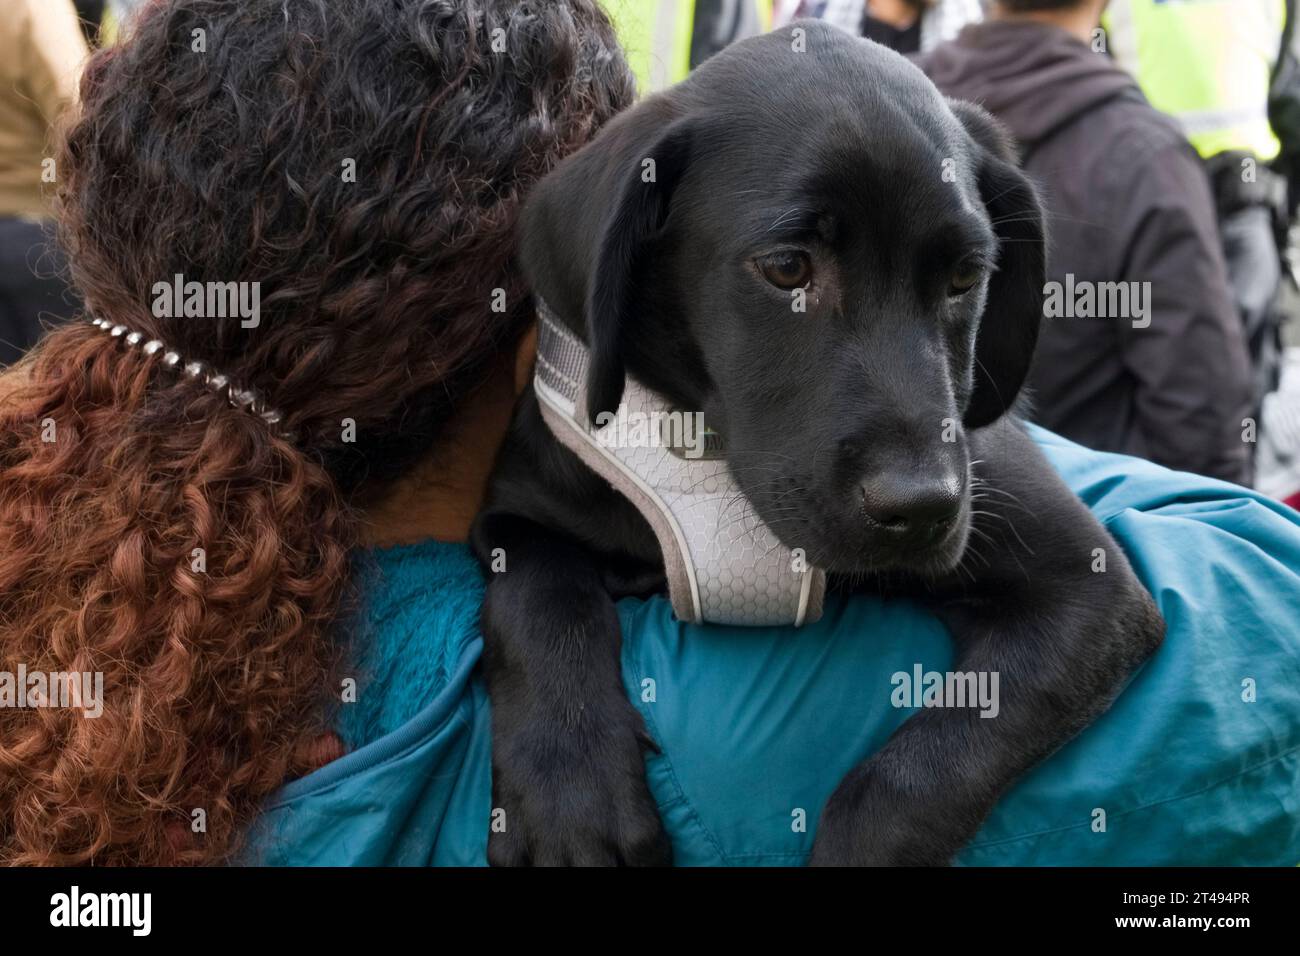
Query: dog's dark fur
<point x="834" y="423"/>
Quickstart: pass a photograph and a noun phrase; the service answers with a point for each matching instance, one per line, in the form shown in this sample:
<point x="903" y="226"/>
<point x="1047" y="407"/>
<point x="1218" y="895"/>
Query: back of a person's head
<point x="363" y="162"/>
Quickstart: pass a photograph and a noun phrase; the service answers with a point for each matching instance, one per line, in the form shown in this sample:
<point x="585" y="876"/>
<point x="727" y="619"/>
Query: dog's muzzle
<point x="723" y="565"/>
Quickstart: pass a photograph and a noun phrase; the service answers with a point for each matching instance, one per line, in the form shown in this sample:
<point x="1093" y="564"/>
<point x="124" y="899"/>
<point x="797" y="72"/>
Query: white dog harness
<point x="723" y="565"/>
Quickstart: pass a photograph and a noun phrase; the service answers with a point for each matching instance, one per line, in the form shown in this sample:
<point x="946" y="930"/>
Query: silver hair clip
<point x="242" y="398"/>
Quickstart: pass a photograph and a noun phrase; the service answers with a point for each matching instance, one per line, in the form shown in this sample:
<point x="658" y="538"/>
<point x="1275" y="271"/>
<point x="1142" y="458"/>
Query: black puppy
<point x="871" y="430"/>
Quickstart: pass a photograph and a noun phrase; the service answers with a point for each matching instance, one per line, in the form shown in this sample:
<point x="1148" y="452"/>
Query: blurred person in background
<point x="666" y="39"/>
<point x="908" y="26"/>
<point x="1129" y="202"/>
<point x="1229" y="73"/>
<point x="1284" y="107"/>
<point x="1220" y="68"/>
<point x="42" y="49"/>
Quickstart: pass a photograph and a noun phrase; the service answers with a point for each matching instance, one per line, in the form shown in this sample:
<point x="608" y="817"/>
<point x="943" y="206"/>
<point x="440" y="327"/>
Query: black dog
<point x="801" y="159"/>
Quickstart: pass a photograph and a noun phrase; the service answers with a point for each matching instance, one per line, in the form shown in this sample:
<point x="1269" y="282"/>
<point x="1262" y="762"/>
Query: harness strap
<point x="723" y="565"/>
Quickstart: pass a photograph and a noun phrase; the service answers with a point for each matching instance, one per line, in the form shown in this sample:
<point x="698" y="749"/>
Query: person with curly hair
<point x="363" y="162"/>
<point x="238" y="492"/>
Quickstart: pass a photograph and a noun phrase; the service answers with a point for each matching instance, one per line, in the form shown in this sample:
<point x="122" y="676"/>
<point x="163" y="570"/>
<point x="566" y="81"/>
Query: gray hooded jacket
<point x="1129" y="202"/>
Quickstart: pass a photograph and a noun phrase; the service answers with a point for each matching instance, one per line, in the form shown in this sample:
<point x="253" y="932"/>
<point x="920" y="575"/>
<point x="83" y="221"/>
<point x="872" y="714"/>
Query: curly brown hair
<point x="212" y="144"/>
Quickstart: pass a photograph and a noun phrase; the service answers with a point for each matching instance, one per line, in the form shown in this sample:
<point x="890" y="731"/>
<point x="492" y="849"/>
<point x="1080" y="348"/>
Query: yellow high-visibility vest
<point x="656" y="35"/>
<point x="1206" y="63"/>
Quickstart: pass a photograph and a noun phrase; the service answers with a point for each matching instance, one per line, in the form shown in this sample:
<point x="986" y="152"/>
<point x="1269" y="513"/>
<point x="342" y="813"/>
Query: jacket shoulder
<point x="1121" y="142"/>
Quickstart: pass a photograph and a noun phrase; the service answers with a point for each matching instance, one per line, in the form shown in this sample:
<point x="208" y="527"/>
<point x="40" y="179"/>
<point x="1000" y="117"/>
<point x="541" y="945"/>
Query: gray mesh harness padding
<point x="723" y="565"/>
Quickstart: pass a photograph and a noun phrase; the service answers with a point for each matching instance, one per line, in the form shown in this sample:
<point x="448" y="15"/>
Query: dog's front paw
<point x="869" y="821"/>
<point x="567" y="799"/>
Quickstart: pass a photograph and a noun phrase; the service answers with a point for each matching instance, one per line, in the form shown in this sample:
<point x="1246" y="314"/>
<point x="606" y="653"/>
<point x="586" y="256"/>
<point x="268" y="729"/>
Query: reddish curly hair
<point x="376" y="306"/>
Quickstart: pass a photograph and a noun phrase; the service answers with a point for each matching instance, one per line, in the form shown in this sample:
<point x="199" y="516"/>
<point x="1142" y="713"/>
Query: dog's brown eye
<point x="786" y="270"/>
<point x="963" y="280"/>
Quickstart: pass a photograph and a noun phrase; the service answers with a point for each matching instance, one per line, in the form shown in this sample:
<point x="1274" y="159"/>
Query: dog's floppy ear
<point x="637" y="215"/>
<point x="589" y="225"/>
<point x="1013" y="311"/>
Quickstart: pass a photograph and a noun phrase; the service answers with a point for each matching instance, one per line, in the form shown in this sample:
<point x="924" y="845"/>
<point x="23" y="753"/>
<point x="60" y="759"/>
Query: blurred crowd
<point x="1165" y="137"/>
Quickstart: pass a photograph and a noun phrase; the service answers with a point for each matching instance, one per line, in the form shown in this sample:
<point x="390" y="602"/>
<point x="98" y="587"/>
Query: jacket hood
<point x="1031" y="76"/>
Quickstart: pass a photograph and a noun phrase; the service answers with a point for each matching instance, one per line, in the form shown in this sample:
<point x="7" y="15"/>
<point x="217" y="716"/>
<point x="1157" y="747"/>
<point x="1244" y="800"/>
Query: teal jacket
<point x="1198" y="762"/>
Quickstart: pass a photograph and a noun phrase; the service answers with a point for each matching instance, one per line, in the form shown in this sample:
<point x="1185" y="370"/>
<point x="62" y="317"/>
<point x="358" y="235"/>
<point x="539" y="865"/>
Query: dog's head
<point x="839" y="267"/>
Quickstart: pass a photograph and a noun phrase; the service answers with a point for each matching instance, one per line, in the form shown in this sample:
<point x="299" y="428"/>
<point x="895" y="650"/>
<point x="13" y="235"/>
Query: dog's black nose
<point x="908" y="505"/>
